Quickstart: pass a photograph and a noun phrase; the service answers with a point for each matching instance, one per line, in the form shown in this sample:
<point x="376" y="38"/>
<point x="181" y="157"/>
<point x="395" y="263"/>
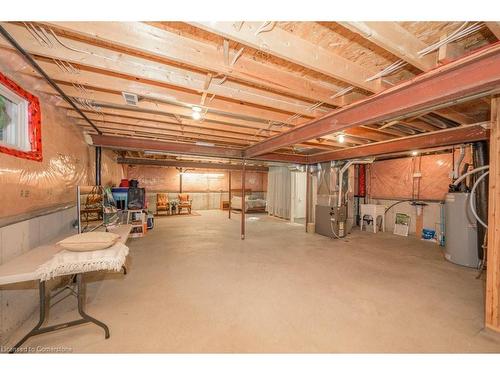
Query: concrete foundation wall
<point x="201" y="201"/>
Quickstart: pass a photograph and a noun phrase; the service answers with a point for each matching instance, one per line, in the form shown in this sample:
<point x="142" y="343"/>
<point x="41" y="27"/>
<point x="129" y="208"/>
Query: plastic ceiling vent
<point x="130" y="99"/>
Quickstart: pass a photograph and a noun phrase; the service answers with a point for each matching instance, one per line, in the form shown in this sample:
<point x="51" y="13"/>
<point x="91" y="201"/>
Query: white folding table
<point x="24" y="268"/>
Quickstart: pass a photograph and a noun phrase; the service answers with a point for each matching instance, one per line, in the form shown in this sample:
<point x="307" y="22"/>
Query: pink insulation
<point x="28" y="185"/>
<point x="398" y="178"/>
<point x="166" y="179"/>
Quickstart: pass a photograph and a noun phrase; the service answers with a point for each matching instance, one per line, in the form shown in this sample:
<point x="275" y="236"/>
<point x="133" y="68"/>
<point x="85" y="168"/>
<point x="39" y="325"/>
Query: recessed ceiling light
<point x="341" y="138"/>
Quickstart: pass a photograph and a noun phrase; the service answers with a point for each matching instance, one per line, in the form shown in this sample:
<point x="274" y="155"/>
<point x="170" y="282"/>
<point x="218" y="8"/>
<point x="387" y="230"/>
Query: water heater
<point x="460" y="231"/>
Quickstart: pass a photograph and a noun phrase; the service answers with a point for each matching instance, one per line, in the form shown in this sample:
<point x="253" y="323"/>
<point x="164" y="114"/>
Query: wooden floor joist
<point x="462" y="134"/>
<point x="476" y="74"/>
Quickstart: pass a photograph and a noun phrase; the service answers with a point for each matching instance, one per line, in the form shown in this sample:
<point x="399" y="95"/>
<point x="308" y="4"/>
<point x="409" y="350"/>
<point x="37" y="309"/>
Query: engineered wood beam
<point x="287" y="46"/>
<point x="155" y="42"/>
<point x="395" y="39"/>
<point x="492" y="309"/>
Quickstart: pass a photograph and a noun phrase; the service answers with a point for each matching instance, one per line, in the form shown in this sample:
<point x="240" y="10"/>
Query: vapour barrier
<point x="28" y="186"/>
<point x="111" y="172"/>
<point x="397" y="178"/>
<point x="167" y="179"/>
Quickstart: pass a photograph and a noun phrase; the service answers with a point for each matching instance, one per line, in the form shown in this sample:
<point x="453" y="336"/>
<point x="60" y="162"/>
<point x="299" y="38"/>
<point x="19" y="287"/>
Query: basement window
<point x="20" y="134"/>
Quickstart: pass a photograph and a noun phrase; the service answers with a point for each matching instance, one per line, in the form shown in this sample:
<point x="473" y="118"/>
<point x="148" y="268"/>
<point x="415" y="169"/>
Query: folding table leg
<point x="33" y="332"/>
<point x="81" y="304"/>
<point x="37" y="330"/>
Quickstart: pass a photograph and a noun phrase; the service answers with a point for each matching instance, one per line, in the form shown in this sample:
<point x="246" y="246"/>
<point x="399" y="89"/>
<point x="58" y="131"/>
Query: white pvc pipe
<point x="462" y="177"/>
<point x="471" y="202"/>
<point x="456" y="167"/>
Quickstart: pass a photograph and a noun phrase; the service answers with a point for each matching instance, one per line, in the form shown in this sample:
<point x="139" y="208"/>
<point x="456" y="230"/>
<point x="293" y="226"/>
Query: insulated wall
<point x="399" y="178"/>
<point x="30" y="185"/>
<point x="167" y="179"/>
<point x="207" y="187"/>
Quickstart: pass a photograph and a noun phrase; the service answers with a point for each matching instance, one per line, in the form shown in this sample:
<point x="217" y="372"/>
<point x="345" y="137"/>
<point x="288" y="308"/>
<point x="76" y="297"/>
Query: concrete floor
<point x="194" y="286"/>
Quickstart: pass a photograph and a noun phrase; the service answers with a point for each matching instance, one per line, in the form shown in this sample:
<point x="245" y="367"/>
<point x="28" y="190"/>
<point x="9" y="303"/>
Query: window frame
<point x="31" y="134"/>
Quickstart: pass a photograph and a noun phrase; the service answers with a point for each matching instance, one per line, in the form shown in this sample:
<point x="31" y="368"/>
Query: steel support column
<point x="243" y="205"/>
<point x="229" y="215"/>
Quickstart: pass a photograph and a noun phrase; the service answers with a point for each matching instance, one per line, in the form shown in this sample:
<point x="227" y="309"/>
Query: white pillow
<point x="89" y="241"/>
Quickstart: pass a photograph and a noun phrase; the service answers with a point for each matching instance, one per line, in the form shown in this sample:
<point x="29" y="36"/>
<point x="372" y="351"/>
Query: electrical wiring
<point x="387" y="71"/>
<point x="460" y="33"/>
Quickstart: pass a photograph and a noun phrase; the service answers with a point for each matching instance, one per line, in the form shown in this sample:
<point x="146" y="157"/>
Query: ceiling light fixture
<point x="414" y="153"/>
<point x="341" y="138"/>
<point x="207" y="144"/>
<point x="196" y="115"/>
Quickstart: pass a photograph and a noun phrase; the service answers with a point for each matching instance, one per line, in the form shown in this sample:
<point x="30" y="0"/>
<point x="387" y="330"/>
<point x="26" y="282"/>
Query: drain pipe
<point x="98" y="153"/>
<point x="342" y="171"/>
<point x="456" y="167"/>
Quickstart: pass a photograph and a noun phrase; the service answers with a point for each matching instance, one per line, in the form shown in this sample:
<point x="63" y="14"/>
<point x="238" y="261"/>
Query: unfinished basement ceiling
<point x="248" y="86"/>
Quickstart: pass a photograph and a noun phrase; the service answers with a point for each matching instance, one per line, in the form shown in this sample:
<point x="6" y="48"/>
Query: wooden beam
<point x="283" y="158"/>
<point x="188" y="164"/>
<point x="207" y="136"/>
<point x="449" y="51"/>
<point x="147" y="90"/>
<point x="477" y="74"/>
<point x="462" y="134"/>
<point x="106" y="60"/>
<point x="126" y="126"/>
<point x="494" y="28"/>
<point x="396" y="39"/>
<point x="297" y="50"/>
<point x="109" y="130"/>
<point x="492" y="310"/>
<point x="169" y="124"/>
<point x="121" y="143"/>
<point x="113" y="102"/>
<point x="151" y="41"/>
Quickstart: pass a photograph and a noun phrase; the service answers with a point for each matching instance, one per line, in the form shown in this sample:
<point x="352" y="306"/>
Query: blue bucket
<point x="428" y="234"/>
